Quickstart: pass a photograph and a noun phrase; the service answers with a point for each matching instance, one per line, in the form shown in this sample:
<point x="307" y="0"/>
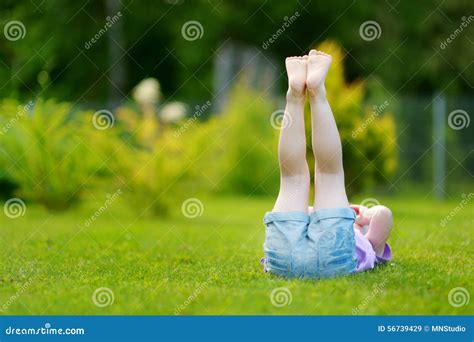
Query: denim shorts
<point x="320" y="245"/>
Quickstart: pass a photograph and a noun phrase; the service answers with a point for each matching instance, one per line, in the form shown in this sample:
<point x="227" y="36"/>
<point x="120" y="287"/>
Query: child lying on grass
<point x="334" y="239"/>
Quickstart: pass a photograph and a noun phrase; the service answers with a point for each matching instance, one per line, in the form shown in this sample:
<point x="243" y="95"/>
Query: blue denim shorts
<point x="320" y="245"/>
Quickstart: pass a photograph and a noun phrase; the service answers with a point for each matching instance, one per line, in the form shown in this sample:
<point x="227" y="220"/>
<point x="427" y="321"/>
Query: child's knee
<point x="383" y="213"/>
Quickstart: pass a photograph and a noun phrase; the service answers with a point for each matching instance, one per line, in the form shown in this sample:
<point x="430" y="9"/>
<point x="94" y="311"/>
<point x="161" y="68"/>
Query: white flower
<point x="173" y="111"/>
<point x="147" y="92"/>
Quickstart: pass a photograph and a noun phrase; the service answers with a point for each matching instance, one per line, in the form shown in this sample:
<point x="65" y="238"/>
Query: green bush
<point x="247" y="143"/>
<point x="166" y="165"/>
<point x="50" y="153"/>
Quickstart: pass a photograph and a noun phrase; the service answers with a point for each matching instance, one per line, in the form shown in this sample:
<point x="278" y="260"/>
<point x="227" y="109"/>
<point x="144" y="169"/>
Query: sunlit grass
<point x="53" y="263"/>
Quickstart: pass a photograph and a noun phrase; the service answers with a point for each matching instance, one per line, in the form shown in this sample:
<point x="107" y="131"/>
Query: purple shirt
<point x="366" y="258"/>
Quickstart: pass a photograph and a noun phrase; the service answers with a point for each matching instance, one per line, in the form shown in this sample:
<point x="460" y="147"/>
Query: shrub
<point x="50" y="153"/>
<point x="247" y="142"/>
<point x="167" y="163"/>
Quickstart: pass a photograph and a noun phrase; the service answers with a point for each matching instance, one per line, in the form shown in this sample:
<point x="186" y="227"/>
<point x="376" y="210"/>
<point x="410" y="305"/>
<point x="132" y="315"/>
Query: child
<point x="328" y="241"/>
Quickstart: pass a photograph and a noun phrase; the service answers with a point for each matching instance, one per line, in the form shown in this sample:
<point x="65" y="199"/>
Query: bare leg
<point x="329" y="173"/>
<point x="294" y="171"/>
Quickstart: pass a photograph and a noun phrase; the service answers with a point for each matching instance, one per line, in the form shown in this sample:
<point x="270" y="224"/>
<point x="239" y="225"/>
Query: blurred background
<point x="160" y="101"/>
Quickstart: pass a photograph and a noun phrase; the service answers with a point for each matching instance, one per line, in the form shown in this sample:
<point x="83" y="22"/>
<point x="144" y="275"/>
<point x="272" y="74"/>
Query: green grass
<point x="52" y="263"/>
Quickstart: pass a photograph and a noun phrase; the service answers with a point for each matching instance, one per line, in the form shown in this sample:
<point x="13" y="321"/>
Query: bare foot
<point x="318" y="66"/>
<point x="296" y="70"/>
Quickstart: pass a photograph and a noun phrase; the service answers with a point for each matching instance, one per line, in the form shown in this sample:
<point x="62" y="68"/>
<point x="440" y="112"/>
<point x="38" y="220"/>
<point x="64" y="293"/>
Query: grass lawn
<point x="52" y="263"/>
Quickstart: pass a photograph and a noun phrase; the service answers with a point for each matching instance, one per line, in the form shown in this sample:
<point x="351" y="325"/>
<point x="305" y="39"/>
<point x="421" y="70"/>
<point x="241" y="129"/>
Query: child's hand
<point x="360" y="219"/>
<point x="358" y="209"/>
